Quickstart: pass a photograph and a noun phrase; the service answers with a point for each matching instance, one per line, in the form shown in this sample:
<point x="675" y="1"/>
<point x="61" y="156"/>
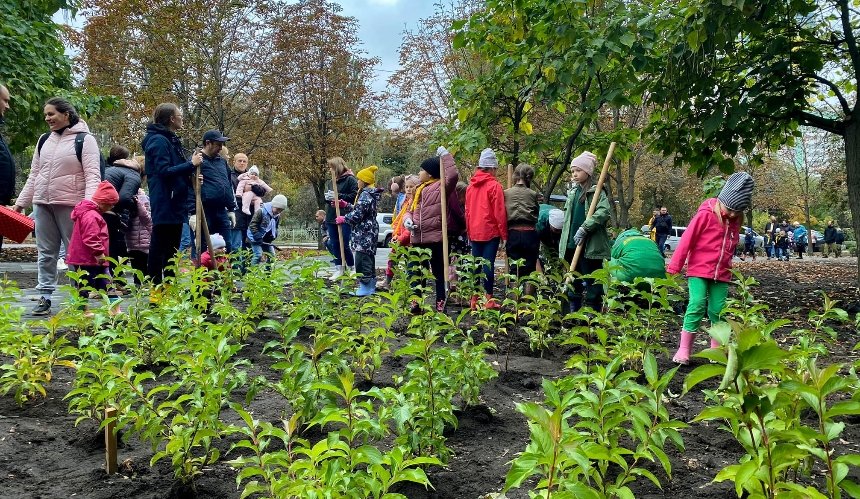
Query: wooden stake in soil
<point x="444" y="201"/>
<point x="110" y="442"/>
<point x="507" y="260"/>
<point x="337" y="214"/>
<point x="202" y="228"/>
<point x="593" y="206"/>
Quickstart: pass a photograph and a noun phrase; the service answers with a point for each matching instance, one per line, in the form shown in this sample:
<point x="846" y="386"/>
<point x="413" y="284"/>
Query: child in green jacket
<point x="588" y="231"/>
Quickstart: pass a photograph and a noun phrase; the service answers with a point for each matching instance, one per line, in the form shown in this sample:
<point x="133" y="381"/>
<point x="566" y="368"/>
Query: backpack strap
<point x="79" y="146"/>
<point x="42" y="140"/>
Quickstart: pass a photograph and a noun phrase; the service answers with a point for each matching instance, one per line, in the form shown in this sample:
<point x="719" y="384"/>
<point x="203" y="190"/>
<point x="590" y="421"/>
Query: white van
<point x="673" y="239"/>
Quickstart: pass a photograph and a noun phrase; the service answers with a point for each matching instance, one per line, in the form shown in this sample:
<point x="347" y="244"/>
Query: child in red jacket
<point x="486" y="219"/>
<point x="707" y="247"/>
<point x="219" y="250"/>
<point x="89" y="245"/>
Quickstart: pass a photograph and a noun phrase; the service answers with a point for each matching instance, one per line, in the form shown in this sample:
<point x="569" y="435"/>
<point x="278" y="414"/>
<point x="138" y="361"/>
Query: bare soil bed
<point x="42" y="453"/>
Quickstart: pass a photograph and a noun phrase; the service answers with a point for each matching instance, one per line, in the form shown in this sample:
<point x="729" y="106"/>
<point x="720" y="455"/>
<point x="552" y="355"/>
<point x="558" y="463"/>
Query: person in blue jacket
<point x="168" y="173"/>
<point x="216" y="190"/>
<point x="799" y="239"/>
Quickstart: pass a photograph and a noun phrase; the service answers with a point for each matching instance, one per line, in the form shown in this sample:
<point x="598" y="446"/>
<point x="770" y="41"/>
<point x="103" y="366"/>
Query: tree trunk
<point x="852" y="169"/>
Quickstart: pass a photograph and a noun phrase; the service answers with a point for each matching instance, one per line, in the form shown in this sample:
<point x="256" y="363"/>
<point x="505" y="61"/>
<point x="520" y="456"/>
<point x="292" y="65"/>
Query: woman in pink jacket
<point x="57" y="182"/>
<point x="707" y="247"/>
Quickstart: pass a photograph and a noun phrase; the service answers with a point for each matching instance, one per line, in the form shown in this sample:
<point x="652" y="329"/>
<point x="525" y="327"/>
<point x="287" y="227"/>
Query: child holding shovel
<point x="580" y="229"/>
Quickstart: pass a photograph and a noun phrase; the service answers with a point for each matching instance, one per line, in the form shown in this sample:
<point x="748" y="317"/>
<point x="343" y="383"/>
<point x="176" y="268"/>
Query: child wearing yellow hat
<point x="361" y="216"/>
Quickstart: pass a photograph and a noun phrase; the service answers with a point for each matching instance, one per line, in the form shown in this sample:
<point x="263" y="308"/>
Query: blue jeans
<point x="237" y="242"/>
<point x="187" y="241"/>
<point x="335" y="243"/>
<point x="259" y="249"/>
<point x="488" y="250"/>
<point x="781" y="252"/>
<point x="218" y="223"/>
<point x="661" y="243"/>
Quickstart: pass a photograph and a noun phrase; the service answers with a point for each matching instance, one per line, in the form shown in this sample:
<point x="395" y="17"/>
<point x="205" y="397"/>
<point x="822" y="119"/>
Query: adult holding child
<point x="169" y="180"/>
<point x="57" y="182"/>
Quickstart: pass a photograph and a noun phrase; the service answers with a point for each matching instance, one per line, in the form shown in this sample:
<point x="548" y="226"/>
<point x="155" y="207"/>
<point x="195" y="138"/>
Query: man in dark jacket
<point x="216" y="192"/>
<point x="7" y="164"/>
<point x="830" y="239"/>
<point x="169" y="180"/>
<point x="237" y="234"/>
<point x="662" y="227"/>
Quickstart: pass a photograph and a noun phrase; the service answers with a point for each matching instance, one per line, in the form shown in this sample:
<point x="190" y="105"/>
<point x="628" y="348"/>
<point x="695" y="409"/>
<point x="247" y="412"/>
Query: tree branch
<point x="850" y="39"/>
<point x="828" y="125"/>
<point x="842" y="102"/>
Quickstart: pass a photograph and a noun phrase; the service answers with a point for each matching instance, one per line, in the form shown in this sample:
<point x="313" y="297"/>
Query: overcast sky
<point x="381" y="24"/>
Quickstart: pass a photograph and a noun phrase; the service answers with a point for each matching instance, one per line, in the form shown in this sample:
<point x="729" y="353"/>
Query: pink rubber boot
<point x="682" y="356"/>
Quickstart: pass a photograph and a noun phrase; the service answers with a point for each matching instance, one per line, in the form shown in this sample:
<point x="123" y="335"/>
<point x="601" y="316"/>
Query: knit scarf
<point x="417" y="195"/>
<point x="398" y="219"/>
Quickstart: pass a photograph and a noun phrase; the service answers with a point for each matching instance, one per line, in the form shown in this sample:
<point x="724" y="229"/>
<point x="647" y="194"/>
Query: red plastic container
<point x="14" y="225"/>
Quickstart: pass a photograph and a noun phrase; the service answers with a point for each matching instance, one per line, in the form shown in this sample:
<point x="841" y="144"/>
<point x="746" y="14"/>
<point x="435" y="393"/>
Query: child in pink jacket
<point x="245" y="190"/>
<point x="707" y="247"/>
<point x="89" y="245"/>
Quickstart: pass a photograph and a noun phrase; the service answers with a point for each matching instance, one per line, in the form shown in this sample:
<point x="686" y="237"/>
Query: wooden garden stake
<point x="594" y="200"/>
<point x="507" y="260"/>
<point x="110" y="442"/>
<point x="444" y="200"/>
<point x="202" y="228"/>
<point x="337" y="214"/>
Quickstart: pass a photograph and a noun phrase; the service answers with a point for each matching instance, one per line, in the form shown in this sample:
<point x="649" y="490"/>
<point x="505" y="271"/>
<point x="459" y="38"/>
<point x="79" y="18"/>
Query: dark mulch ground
<point x="42" y="454"/>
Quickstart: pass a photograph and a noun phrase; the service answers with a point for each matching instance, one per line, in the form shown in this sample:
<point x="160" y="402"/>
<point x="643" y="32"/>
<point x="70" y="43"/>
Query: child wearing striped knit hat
<point x="706" y="248"/>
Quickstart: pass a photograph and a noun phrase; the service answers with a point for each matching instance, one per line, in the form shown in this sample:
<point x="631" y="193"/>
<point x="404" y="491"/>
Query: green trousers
<point x="706" y="295"/>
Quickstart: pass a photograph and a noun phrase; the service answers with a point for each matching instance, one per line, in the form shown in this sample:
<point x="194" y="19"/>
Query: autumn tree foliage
<point x="420" y="93"/>
<point x="211" y="57"/>
<point x="324" y="103"/>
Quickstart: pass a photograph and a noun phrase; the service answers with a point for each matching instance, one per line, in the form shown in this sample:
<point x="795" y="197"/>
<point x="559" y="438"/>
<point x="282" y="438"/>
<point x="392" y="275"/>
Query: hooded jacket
<point x="362" y="219"/>
<point x="168" y="175"/>
<point x="139" y="233"/>
<point x="708" y="244"/>
<point x="216" y="191"/>
<point x="263" y="222"/>
<point x="56" y="176"/>
<point x="126" y="181"/>
<point x="89" y="237"/>
<point x="597" y="242"/>
<point x="427" y="214"/>
<point x="635" y="255"/>
<point x="486" y="215"/>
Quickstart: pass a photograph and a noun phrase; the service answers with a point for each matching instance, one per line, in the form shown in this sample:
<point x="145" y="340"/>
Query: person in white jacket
<point x="57" y="182"/>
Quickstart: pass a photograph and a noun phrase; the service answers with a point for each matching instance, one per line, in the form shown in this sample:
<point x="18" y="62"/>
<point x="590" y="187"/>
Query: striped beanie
<point x="737" y="193"/>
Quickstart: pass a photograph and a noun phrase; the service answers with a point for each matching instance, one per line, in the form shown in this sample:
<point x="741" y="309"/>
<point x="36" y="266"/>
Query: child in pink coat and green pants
<point x="707" y="247"/>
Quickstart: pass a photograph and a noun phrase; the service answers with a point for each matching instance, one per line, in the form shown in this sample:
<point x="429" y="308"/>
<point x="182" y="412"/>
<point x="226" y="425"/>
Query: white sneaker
<point x="61" y="264"/>
<point x="338" y="272"/>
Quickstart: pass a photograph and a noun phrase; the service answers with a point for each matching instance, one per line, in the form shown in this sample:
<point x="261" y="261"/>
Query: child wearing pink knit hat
<point x="590" y="232"/>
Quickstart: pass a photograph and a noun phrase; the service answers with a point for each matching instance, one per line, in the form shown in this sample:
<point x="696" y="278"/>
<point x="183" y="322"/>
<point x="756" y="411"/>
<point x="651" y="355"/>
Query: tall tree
<point x="739" y="73"/>
<point x="34" y="66"/>
<point x="326" y="107"/>
<point x="420" y="88"/>
<point x="211" y="57"/>
<point x="560" y="60"/>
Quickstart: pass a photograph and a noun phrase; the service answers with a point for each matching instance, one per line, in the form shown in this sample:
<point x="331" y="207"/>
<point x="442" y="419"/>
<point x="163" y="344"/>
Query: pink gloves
<point x="341" y="203"/>
<point x="340" y="220"/>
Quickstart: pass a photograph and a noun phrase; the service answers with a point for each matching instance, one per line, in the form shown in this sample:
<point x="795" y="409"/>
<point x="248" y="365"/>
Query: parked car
<point x="384" y="220"/>
<point x="674" y="236"/>
<point x="816" y="240"/>
<point x="759" y="239"/>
